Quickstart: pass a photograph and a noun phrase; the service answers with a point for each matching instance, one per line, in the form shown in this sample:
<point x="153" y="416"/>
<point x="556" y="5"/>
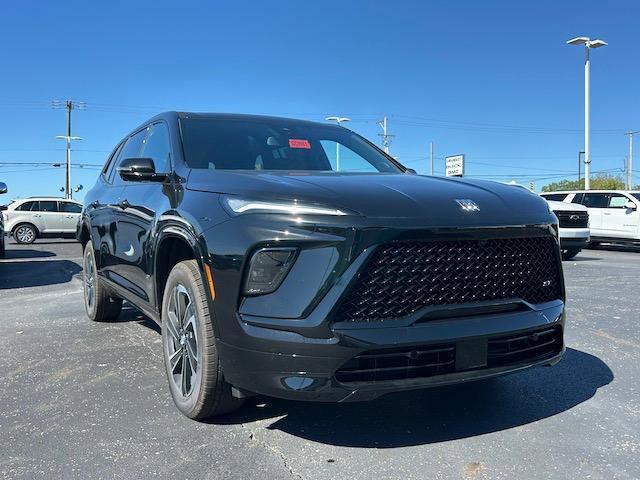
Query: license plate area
<point x="471" y="354"/>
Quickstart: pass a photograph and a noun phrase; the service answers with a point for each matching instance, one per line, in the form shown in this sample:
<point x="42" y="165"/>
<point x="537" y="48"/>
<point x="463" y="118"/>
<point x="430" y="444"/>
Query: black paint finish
<point x="286" y="343"/>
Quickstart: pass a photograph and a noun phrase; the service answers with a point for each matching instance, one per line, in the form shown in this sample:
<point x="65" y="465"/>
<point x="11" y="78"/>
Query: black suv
<point x="297" y="260"/>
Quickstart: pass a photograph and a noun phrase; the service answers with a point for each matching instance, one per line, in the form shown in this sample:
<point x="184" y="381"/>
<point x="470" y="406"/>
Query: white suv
<point x="30" y="218"/>
<point x="614" y="215"/>
<point x="574" y="231"/>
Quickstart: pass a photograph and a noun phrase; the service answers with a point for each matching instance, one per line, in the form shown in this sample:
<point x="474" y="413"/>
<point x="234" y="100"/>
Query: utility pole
<point x="431" y="158"/>
<point x="386" y="136"/>
<point x="629" y="179"/>
<point x="338" y="120"/>
<point x="69" y="105"/>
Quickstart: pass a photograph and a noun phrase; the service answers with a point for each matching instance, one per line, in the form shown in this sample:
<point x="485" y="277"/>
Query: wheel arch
<point x="175" y="244"/>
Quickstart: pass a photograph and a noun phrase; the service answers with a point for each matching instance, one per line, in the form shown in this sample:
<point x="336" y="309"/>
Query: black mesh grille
<point x="400" y="278"/>
<point x="573" y="219"/>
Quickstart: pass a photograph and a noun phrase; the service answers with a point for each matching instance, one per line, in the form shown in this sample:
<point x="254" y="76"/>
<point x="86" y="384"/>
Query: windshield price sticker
<point x="297" y="143"/>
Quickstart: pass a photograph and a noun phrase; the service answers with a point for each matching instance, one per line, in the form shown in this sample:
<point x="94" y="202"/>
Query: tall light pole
<point x="338" y="120"/>
<point x="588" y="45"/>
<point x="630" y="162"/>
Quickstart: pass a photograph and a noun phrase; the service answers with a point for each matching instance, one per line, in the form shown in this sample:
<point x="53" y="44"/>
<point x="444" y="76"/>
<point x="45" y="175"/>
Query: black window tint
<point x="156" y="147"/>
<point x="111" y="161"/>
<point x="69" y="207"/>
<point x="273" y="144"/>
<point x="595" y="200"/>
<point x="48" y="206"/>
<point x="558" y="197"/>
<point x="28" y="207"/>
<point x="131" y="149"/>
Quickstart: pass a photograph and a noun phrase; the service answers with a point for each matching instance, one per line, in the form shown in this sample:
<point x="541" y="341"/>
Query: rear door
<point x="69" y="215"/>
<point x="618" y="220"/>
<point x="597" y="204"/>
<point x="51" y="219"/>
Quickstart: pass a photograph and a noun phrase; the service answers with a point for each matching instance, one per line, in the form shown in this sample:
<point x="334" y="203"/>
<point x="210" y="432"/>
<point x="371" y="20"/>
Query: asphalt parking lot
<point x="89" y="400"/>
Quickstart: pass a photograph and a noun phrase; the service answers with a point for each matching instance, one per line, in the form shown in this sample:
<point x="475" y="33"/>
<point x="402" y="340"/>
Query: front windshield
<point x="637" y="195"/>
<point x="272" y="144"/>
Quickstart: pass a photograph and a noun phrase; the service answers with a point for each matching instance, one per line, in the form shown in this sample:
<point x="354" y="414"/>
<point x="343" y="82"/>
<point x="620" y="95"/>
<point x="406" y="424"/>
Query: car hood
<point x="385" y="195"/>
<point x="566" y="207"/>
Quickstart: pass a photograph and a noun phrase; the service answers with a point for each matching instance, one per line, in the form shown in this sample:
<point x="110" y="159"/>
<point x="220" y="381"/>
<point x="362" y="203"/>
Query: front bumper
<point x="574" y="237"/>
<point x="289" y="365"/>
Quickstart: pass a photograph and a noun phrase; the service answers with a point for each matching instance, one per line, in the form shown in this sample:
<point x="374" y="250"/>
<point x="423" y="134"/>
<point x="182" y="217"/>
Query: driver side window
<point x="156" y="147"/>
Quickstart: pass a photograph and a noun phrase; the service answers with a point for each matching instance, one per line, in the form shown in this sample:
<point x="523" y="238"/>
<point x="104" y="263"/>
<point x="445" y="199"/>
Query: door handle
<point x="124" y="204"/>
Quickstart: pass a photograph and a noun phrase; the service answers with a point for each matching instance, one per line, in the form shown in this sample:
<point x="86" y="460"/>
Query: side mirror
<point x="139" y="170"/>
<point x="631" y="206"/>
<point x="3" y="187"/>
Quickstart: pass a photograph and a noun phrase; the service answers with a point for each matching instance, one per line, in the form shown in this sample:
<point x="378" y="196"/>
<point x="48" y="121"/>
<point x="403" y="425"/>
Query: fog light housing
<point x="267" y="269"/>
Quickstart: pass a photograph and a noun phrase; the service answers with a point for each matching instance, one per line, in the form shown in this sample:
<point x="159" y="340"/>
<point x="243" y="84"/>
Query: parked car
<point x="614" y="215"/>
<point x="30" y="218"/>
<point x="296" y="259"/>
<point x="574" y="227"/>
<point x="3" y="189"/>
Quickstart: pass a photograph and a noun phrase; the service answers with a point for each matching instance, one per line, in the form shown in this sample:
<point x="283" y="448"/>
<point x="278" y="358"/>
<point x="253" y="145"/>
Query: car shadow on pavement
<point x="15" y="253"/>
<point x="21" y="274"/>
<point x="616" y="247"/>
<point x="437" y="414"/>
<point x="582" y="258"/>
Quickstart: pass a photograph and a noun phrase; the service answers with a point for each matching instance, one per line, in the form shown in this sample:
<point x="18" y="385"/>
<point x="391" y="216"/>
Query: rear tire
<point x="25" y="233"/>
<point x="100" y="306"/>
<point x="191" y="360"/>
<point x="569" y="253"/>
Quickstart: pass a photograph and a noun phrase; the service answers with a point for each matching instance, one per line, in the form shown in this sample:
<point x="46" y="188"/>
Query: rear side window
<point x="131" y="149"/>
<point x="558" y="197"/>
<point x="595" y="200"/>
<point x="48" y="206"/>
<point x="28" y="207"/>
<point x="157" y="148"/>
<point x="69" y="207"/>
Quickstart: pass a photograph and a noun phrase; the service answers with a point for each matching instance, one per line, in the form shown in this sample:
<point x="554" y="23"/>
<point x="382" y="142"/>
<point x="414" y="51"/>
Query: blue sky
<point x="491" y="79"/>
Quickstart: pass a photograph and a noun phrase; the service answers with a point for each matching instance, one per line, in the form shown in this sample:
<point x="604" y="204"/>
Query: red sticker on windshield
<point x="296" y="143"/>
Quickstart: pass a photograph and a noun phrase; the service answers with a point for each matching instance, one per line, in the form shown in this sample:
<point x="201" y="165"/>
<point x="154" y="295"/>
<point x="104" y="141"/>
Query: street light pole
<point x="588" y="45"/>
<point x="68" y="193"/>
<point x="338" y="120"/>
<point x="580" y="153"/>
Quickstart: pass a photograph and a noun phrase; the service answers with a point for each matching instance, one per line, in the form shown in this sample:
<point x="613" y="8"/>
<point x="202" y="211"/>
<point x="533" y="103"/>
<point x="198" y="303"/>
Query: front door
<point x="49" y="216"/>
<point x="141" y="202"/>
<point x="618" y="220"/>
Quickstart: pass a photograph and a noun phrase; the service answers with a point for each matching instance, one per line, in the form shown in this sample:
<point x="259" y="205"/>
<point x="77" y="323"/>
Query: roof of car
<point x="233" y="117"/>
<point x="590" y="191"/>
<point x="47" y="198"/>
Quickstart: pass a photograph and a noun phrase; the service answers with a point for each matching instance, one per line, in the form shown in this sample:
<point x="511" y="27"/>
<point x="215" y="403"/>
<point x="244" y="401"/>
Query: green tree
<point x="601" y="181"/>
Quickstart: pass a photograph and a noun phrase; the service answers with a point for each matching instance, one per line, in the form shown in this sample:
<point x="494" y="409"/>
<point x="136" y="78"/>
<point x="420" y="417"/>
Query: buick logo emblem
<point x="468" y="205"/>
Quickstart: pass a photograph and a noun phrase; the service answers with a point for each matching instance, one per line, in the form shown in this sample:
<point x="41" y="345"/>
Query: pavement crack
<point x="272" y="449"/>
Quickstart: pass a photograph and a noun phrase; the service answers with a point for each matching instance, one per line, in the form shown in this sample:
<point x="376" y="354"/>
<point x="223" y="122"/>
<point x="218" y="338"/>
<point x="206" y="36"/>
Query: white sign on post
<point x="454" y="166"/>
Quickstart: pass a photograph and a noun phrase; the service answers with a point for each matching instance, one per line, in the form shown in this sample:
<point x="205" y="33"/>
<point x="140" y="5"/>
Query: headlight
<point x="267" y="269"/>
<point x="240" y="206"/>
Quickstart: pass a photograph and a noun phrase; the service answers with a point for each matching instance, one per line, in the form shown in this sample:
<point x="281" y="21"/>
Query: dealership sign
<point x="454" y="166"/>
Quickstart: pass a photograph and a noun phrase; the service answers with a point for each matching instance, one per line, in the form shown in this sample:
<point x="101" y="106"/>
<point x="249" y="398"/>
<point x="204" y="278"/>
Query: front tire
<point x="569" y="253"/>
<point x="100" y="306"/>
<point x="25" y="233"/>
<point x="191" y="360"/>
